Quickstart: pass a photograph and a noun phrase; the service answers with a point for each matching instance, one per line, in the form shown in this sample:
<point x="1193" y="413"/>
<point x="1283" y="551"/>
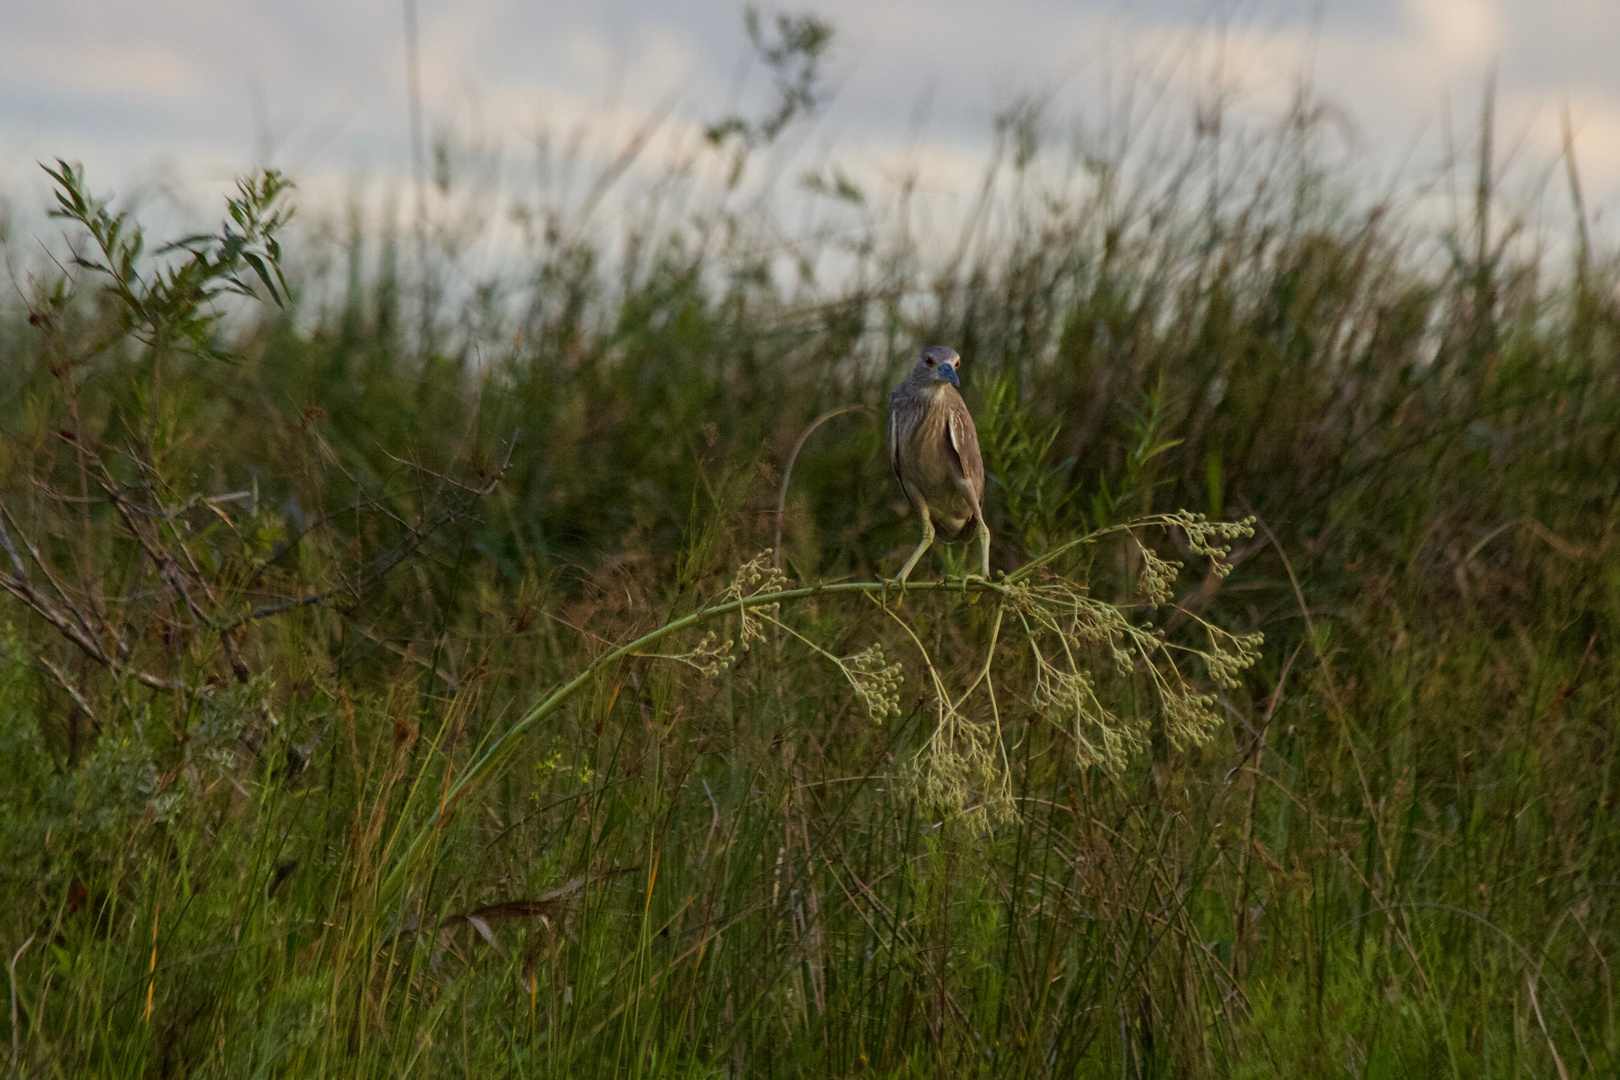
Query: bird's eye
<point x="929" y="360"/>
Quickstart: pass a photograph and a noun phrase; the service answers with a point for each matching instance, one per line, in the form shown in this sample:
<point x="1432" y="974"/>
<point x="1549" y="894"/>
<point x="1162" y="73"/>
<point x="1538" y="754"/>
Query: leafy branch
<point x="172" y="305"/>
<point x="210" y="560"/>
<point x="794" y="55"/>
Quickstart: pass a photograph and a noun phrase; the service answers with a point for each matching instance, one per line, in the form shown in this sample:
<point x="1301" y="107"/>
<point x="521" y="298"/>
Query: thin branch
<point x="385" y="563"/>
<point x="44" y="567"/>
<point x="45" y="609"/>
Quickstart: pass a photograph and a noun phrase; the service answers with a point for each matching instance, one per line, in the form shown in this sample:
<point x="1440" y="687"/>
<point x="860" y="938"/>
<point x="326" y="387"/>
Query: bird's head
<point x="938" y="363"/>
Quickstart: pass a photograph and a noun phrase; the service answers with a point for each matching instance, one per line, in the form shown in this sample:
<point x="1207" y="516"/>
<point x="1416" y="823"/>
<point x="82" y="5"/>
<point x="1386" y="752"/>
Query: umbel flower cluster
<point x="754" y="577"/>
<point x="712" y="655"/>
<point x="1089" y="656"/>
<point x="1094" y="662"/>
<point x="877" y="682"/>
<point x="1211" y="539"/>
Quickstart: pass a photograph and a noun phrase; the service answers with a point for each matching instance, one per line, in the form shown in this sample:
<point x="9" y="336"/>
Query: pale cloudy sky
<point x="197" y="90"/>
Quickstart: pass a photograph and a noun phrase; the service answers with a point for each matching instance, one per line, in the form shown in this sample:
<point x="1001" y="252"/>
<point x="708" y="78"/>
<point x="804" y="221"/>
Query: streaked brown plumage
<point x="935" y="453"/>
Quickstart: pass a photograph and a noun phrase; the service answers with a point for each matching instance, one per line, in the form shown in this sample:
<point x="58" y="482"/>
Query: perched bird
<point x="935" y="453"/>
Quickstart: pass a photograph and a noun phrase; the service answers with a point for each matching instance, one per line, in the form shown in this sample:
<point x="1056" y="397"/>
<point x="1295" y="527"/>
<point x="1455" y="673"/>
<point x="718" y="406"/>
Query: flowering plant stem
<point x="1059" y="607"/>
<point x="506" y="743"/>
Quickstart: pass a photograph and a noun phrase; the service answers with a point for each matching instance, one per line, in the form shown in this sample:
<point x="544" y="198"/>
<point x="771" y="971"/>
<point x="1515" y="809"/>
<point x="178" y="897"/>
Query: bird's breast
<point x="930" y="464"/>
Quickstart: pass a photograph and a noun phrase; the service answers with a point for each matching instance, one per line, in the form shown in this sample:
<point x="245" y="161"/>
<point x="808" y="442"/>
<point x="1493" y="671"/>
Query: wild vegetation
<point x="499" y="679"/>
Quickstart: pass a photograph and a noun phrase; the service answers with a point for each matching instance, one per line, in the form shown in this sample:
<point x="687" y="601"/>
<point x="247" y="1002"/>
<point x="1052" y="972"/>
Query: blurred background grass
<point x="1398" y="858"/>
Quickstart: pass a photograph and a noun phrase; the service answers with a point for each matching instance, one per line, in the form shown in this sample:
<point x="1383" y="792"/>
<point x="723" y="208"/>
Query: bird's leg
<point x="927" y="542"/>
<point x="984" y="556"/>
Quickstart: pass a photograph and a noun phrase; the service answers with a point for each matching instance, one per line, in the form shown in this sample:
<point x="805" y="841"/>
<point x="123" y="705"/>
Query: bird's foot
<point x="969" y="579"/>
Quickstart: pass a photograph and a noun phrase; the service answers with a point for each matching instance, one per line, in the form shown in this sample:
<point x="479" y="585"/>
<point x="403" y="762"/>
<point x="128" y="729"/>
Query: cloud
<point x="140" y="69"/>
<point x="1461" y="30"/>
<point x="920" y="82"/>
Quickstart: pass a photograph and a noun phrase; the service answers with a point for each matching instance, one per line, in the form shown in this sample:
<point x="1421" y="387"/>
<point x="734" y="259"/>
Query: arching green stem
<point x="502" y="748"/>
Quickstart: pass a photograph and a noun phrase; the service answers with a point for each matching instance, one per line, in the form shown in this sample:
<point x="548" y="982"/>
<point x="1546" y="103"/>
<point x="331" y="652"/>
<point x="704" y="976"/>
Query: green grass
<point x="366" y="834"/>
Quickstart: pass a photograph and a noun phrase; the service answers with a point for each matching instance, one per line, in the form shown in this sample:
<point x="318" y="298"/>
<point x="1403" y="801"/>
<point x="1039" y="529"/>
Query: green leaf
<point x="264" y="275"/>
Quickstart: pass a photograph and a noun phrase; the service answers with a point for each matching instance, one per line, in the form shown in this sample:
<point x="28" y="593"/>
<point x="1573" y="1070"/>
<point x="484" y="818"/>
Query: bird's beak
<point x="948" y="373"/>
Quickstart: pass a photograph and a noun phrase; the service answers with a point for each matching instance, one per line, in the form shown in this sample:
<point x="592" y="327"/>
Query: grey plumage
<point x="934" y="449"/>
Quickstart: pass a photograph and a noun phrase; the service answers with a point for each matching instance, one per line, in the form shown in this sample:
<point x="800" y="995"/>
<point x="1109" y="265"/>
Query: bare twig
<point x="73" y="627"/>
<point x="168" y="571"/>
<point x="381" y="566"/>
<point x="44" y="568"/>
<point x="62" y="680"/>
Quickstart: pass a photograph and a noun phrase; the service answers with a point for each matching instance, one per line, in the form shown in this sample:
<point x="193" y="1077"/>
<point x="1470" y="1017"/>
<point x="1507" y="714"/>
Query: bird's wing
<point x="902" y="427"/>
<point x="894" y="441"/>
<point x="900" y="431"/>
<point x="964" y="441"/>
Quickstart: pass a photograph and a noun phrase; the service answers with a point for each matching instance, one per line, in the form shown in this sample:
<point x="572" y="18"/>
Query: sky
<point x="179" y="96"/>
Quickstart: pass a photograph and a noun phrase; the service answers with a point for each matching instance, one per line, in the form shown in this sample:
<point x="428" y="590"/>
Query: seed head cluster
<point x="754" y="577"/>
<point x="1092" y="662"/>
<point x="877" y="682"/>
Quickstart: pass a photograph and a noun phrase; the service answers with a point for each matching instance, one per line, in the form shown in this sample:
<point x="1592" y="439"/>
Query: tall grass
<point x="308" y="798"/>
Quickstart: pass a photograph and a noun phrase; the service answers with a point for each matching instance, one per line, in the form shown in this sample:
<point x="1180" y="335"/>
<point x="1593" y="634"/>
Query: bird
<point x="934" y="449"/>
